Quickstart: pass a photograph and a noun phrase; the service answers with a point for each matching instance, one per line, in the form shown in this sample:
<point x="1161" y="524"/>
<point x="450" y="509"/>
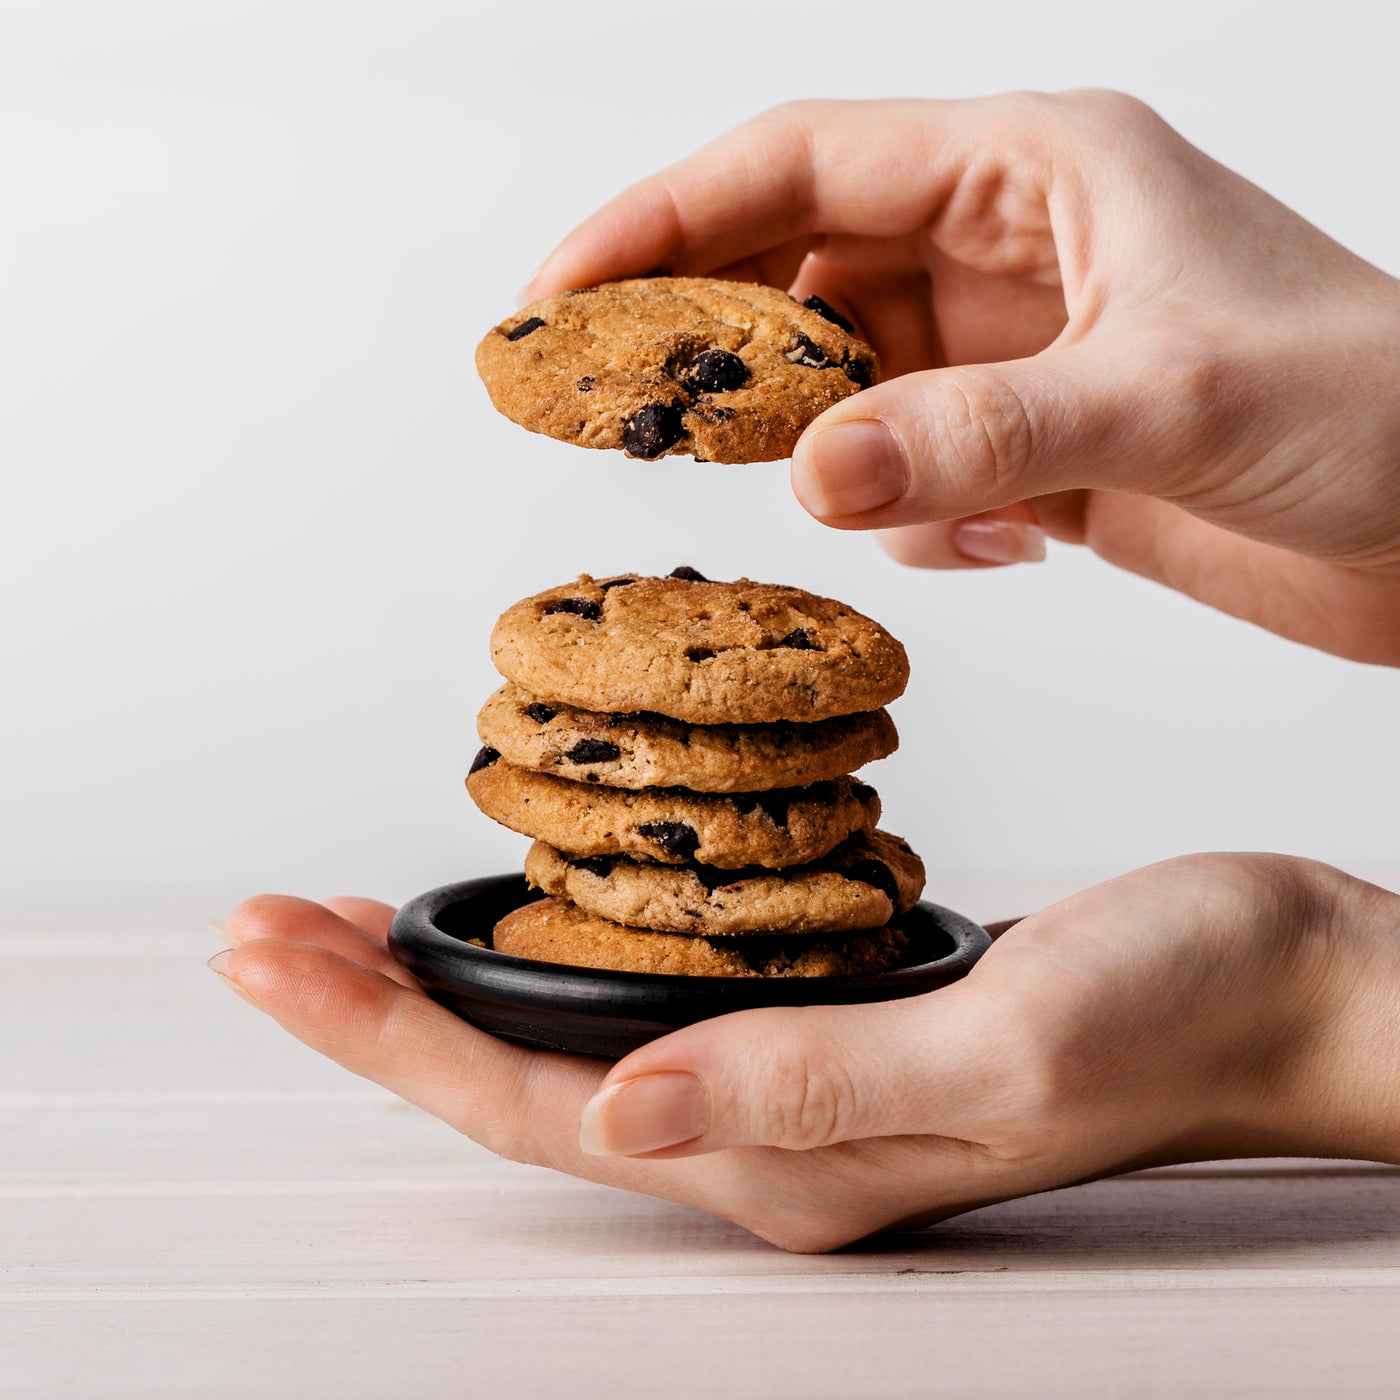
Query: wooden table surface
<point x="194" y="1205"/>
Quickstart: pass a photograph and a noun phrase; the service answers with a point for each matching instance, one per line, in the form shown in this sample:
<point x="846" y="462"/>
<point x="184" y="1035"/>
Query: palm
<point x="1087" y="983"/>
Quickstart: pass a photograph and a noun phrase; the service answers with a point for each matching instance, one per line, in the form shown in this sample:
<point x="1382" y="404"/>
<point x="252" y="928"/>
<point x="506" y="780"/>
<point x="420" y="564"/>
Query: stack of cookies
<point x="680" y="751"/>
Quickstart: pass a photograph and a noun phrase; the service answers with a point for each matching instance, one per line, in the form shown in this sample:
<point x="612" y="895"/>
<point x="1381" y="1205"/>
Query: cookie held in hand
<point x="721" y="371"/>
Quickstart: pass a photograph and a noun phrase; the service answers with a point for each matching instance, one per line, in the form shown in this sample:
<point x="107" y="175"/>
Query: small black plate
<point x="590" y="1011"/>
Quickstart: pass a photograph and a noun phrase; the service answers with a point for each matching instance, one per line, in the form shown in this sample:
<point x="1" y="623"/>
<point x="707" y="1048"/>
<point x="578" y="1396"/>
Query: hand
<point x="1153" y="357"/>
<point x="1207" y="1007"/>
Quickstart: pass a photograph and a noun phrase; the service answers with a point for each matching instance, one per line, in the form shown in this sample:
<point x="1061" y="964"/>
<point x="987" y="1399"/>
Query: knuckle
<point x="1115" y="108"/>
<point x="983" y="428"/>
<point x="811" y="1102"/>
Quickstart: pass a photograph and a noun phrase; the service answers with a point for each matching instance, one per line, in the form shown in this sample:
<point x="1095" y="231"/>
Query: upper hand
<point x="1206" y="1007"/>
<point x="1087" y="326"/>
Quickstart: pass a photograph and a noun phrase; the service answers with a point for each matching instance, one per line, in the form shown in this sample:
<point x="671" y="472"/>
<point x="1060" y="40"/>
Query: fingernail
<point x="849" y="468"/>
<point x="218" y="963"/>
<point x="644" y="1115"/>
<point x="1000" y="541"/>
<point x="221" y="929"/>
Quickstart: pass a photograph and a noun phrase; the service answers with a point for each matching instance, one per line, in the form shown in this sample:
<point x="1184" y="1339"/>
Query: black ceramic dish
<point x="594" y="1012"/>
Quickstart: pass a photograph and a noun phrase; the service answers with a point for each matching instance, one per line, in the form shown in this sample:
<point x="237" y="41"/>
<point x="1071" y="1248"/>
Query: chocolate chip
<point x="688" y="574"/>
<point x="717" y="372"/>
<point x="675" y="838"/>
<point x="601" y="866"/>
<point x="807" y="352"/>
<point x="714" y="878"/>
<point x="905" y="847"/>
<point x="699" y="653"/>
<point x="581" y="607"/>
<point x="593" y="751"/>
<point x="862" y="792"/>
<point x="525" y="328"/>
<point x="773" y="804"/>
<point x="485" y="757"/>
<point x="649" y="432"/>
<point x="616" y="583"/>
<point x="541" y="714"/>
<point x="877" y="873"/>
<point x="585" y="385"/>
<point x="829" y="313"/>
<point x="857" y="371"/>
<point x="799" y="639"/>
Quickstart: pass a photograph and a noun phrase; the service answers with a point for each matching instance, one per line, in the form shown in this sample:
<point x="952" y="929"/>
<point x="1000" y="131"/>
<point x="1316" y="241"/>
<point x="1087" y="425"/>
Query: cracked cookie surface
<point x="722" y="371"/>
<point x="788" y="826"/>
<point x="649" y="750"/>
<point x="862" y="884"/>
<point x="553" y="930"/>
<point x="699" y="651"/>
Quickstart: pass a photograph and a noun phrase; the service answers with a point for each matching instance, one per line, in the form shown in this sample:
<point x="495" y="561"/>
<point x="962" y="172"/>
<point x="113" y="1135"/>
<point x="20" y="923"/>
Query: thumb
<point x="792" y="1077"/>
<point x="949" y="443"/>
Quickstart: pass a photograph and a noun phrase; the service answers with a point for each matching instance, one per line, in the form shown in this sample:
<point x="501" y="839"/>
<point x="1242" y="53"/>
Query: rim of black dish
<point x="446" y="960"/>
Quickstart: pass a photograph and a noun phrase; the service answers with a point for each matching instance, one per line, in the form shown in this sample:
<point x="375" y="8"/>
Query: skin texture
<point x="1212" y="1006"/>
<point x="1088" y="329"/>
<point x="1104" y="336"/>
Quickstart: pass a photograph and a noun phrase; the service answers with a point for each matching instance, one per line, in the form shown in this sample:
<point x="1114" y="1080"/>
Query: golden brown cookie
<point x="698" y="651"/>
<point x="553" y="930"/>
<point x="649" y="750"/>
<point x="862" y="884"/>
<point x="789" y="826"/>
<point x="723" y="371"/>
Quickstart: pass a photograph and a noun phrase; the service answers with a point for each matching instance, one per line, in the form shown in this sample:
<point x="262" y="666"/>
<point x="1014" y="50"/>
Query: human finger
<point x="521" y="1103"/>
<point x="804" y="1077"/>
<point x="305" y="921"/>
<point x="371" y="915"/>
<point x="795" y="170"/>
<point x="946" y="444"/>
<point x="1011" y="535"/>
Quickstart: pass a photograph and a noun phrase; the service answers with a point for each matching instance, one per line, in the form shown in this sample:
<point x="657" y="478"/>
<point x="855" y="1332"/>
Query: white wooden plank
<point x="113" y="989"/>
<point x="1256" y="1344"/>
<point x="239" y="1055"/>
<point x="55" y="1147"/>
<point x="575" y="1230"/>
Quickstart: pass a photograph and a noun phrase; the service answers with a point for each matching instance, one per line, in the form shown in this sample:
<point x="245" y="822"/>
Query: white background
<point x="258" y="514"/>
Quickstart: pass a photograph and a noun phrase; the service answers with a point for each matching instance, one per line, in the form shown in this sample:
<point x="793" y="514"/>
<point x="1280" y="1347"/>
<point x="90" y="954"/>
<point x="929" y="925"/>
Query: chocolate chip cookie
<point x="649" y="750"/>
<point x="789" y="826"/>
<point x="553" y="930"/>
<point x="723" y="371"/>
<point x="698" y="651"/>
<point x="862" y="884"/>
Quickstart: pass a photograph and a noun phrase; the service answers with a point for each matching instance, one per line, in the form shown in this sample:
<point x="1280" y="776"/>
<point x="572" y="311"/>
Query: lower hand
<point x="1211" y="1006"/>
